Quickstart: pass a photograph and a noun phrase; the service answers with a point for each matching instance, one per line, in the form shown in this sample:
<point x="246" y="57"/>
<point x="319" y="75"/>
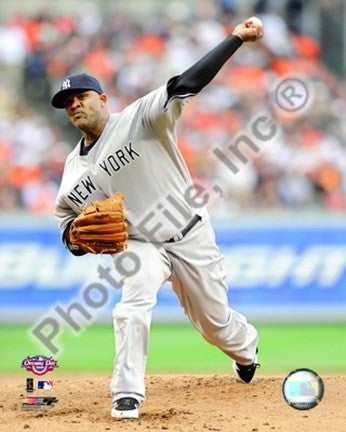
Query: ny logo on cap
<point x="66" y="84"/>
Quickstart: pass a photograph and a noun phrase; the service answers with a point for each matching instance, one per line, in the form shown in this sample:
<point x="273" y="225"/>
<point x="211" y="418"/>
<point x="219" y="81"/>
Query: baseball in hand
<point x="249" y="30"/>
<point x="255" y="21"/>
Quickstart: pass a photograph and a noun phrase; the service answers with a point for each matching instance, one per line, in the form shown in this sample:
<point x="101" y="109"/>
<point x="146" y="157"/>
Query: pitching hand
<point x="249" y="30"/>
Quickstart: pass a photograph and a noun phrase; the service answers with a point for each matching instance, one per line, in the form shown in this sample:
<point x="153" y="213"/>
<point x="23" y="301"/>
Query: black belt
<point x="185" y="230"/>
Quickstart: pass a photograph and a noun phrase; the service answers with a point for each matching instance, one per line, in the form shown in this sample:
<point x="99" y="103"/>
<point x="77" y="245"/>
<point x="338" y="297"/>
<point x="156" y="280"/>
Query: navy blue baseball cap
<point x="77" y="82"/>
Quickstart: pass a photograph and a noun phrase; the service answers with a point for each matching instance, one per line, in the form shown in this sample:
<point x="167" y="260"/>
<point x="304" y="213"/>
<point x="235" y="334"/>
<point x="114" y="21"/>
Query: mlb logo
<point x="44" y="385"/>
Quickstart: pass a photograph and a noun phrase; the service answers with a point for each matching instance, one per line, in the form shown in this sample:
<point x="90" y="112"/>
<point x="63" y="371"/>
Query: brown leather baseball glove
<point x="101" y="227"/>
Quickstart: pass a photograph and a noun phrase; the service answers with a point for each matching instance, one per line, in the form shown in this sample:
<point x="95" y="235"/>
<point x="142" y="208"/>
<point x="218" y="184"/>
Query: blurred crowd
<point x="302" y="166"/>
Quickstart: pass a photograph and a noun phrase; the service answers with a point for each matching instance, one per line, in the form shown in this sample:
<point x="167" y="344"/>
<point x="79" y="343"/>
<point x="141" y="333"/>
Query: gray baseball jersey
<point x="137" y="155"/>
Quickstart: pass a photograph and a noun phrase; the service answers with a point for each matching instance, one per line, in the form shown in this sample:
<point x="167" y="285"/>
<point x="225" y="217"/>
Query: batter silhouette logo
<point x="39" y="365"/>
<point x="45" y="385"/>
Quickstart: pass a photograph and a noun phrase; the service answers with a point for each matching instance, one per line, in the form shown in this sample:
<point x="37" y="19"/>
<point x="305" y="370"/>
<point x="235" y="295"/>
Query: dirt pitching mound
<point x="174" y="403"/>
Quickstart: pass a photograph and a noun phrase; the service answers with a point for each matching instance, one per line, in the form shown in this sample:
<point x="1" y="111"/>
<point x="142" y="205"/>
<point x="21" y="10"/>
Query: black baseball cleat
<point x="246" y="373"/>
<point x="125" y="408"/>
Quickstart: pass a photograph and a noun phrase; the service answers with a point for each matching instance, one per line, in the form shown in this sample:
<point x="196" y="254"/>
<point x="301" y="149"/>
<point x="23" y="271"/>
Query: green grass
<point x="180" y="348"/>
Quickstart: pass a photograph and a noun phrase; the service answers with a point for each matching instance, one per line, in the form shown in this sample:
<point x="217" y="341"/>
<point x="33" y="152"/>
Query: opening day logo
<point x="39" y="365"/>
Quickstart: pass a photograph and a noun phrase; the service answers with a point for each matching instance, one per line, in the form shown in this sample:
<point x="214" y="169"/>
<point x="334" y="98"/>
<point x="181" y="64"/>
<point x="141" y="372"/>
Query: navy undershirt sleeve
<point x="201" y="73"/>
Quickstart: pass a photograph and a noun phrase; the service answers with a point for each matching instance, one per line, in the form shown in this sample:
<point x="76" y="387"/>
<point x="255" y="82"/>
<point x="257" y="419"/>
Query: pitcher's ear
<point x="103" y="98"/>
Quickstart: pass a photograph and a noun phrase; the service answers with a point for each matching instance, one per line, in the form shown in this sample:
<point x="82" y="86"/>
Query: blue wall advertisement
<point x="287" y="272"/>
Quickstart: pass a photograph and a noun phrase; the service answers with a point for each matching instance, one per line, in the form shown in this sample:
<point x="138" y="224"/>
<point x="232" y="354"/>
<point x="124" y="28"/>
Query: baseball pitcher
<point x="126" y="189"/>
